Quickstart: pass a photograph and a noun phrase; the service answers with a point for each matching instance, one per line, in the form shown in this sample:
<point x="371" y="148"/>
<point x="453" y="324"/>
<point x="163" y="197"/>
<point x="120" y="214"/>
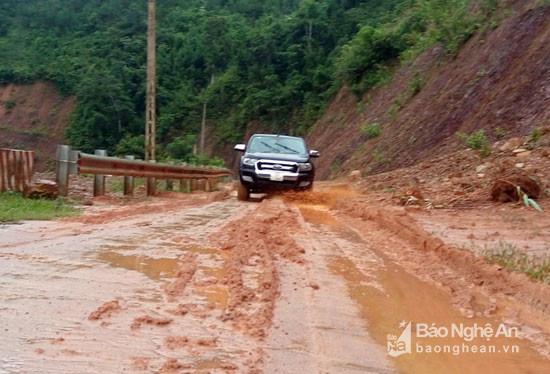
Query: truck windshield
<point x="277" y="144"/>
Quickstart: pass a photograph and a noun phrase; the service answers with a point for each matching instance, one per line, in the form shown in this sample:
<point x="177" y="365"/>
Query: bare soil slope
<point x="498" y="82"/>
<point x="34" y="117"/>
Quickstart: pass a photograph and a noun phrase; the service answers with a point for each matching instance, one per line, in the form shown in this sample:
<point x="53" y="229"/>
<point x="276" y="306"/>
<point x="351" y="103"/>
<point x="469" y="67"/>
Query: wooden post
<point x="62" y="169"/>
<point x="129" y="181"/>
<point x="151" y="186"/>
<point x="207" y="185"/>
<point x="150" y="115"/>
<point x="193" y="185"/>
<point x="99" y="179"/>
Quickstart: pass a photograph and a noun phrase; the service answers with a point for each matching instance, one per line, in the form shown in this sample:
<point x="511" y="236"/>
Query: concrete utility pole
<point x="150" y="115"/>
<point x="203" y="128"/>
<point x="203" y="124"/>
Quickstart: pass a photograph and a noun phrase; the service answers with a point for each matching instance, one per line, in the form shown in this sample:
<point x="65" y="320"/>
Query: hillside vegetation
<point x="276" y="63"/>
<point x="494" y="87"/>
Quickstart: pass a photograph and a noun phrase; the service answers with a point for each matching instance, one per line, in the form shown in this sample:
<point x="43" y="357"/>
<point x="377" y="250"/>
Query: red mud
<point x="470" y="280"/>
<point x="106" y="310"/>
<point x="259" y="238"/>
<point x="58" y="340"/>
<point x="140" y="363"/>
<point x="148" y="320"/>
<point x="492" y="278"/>
<point x="172" y="365"/>
<point x="182" y="277"/>
<point x="462" y="179"/>
<point x="118" y="209"/>
<point x="177" y="342"/>
<point x="181" y="310"/>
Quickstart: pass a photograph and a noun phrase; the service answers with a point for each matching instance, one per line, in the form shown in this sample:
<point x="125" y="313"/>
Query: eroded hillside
<point x="33" y="117"/>
<point x="499" y="82"/>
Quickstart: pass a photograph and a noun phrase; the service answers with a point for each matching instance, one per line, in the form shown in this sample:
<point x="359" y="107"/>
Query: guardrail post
<point x="151" y="184"/>
<point x="129" y="181"/>
<point x="192" y="185"/>
<point x="170" y="182"/>
<point x="207" y="185"/>
<point x="185" y="185"/>
<point x="73" y="162"/>
<point x="99" y="179"/>
<point x="62" y="169"/>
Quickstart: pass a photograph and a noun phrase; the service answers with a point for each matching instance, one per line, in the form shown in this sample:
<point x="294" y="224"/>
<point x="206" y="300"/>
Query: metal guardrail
<point x="16" y="169"/>
<point x="92" y="164"/>
<point x="74" y="162"/>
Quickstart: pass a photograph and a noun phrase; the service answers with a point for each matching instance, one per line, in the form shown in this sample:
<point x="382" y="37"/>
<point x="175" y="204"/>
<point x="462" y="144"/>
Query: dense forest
<point x="273" y="62"/>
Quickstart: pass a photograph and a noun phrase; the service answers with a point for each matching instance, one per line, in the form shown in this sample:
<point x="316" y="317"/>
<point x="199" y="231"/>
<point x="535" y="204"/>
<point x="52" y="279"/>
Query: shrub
<point x="371" y="130"/>
<point x="535" y="135"/>
<point x="9" y="104"/>
<point x="500" y="132"/>
<point x="476" y="140"/>
<point x="417" y="82"/>
<point x="131" y="146"/>
<point x="365" y="51"/>
<point x="397" y="104"/>
<point x="205" y="160"/>
<point x="182" y="147"/>
<point x="379" y="156"/>
<point x="335" y="168"/>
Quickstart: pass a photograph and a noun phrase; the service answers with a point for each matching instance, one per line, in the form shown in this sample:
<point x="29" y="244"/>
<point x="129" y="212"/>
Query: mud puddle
<point x="154" y="268"/>
<point x="403" y="298"/>
<point x="216" y="295"/>
<point x="68" y="275"/>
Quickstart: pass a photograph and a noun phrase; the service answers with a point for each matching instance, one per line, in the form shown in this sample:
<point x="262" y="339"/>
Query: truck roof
<point x="274" y="135"/>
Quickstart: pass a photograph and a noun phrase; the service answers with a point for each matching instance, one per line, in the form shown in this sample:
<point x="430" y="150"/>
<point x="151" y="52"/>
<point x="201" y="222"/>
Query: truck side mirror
<point x="240" y="147"/>
<point x="314" y="153"/>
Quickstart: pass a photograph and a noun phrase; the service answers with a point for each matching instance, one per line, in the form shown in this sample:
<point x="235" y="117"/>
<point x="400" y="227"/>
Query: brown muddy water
<point x="396" y="297"/>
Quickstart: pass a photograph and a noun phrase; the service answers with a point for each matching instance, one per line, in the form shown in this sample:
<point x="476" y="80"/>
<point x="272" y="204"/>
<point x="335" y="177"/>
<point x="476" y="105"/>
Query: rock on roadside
<point x="41" y="189"/>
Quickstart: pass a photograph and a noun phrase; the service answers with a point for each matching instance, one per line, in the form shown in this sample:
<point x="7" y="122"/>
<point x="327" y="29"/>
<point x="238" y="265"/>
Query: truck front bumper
<point x="262" y="180"/>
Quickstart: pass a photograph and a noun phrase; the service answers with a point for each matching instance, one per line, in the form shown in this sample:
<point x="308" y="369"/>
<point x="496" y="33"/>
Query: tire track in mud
<point x="386" y="294"/>
<point x="286" y="285"/>
<point x="58" y="300"/>
<point x="317" y="326"/>
<point x="188" y="292"/>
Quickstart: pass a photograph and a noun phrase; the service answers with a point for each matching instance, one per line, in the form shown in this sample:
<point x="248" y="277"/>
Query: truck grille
<point x="274" y="165"/>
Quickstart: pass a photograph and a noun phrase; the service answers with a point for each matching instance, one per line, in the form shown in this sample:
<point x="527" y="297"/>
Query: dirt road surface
<point x="310" y="283"/>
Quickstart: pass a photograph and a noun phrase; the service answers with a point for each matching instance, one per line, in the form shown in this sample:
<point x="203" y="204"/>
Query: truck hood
<point x="279" y="157"/>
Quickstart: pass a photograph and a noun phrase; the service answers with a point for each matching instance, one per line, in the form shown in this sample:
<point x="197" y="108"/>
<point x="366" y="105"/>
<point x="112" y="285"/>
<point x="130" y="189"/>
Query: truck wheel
<point x="242" y="192"/>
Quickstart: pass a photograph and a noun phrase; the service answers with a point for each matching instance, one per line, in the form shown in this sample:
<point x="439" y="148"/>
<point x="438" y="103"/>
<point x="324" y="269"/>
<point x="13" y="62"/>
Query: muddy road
<point x="294" y="284"/>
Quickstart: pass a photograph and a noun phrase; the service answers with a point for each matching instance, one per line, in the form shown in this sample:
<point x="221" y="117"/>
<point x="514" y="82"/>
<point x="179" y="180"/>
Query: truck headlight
<point x="305" y="166"/>
<point x="249" y="161"/>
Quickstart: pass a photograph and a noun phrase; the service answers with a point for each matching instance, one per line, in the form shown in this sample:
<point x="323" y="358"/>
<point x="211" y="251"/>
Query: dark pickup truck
<point x="274" y="162"/>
